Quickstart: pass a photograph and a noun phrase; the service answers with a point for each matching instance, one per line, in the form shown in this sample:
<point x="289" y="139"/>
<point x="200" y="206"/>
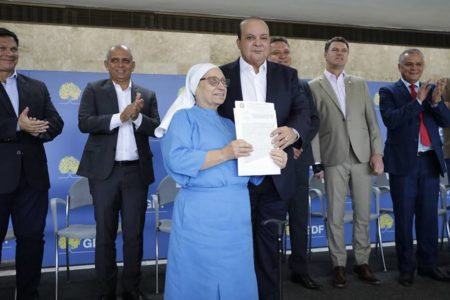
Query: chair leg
<point x="309" y="228"/>
<point x="56" y="267"/>
<point x="381" y="245"/>
<point x="377" y="241"/>
<point x="286" y="227"/>
<point x="67" y="260"/>
<point x="442" y="233"/>
<point x="448" y="235"/>
<point x="156" y="261"/>
<point x="309" y="240"/>
<point x="447" y="226"/>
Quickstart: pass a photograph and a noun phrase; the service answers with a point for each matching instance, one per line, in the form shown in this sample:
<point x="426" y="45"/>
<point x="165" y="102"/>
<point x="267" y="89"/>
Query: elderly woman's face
<point x="211" y="90"/>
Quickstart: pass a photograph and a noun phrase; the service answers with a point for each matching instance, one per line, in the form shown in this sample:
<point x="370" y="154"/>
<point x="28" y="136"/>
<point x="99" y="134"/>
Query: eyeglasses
<point x="214" y="81"/>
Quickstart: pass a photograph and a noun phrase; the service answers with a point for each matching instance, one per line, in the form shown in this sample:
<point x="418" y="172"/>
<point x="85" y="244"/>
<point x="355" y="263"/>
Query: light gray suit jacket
<point x="359" y="128"/>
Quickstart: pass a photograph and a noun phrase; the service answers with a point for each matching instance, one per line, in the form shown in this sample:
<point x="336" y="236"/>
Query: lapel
<point x="6" y="102"/>
<point x="326" y="86"/>
<point x="112" y="96"/>
<point x="403" y="91"/>
<point x="235" y="76"/>
<point x="23" y="90"/>
<point x="271" y="83"/>
<point x="349" y="96"/>
<point x="134" y="91"/>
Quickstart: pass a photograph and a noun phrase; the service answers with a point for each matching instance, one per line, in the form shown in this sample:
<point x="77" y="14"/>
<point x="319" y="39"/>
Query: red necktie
<point x="424" y="137"/>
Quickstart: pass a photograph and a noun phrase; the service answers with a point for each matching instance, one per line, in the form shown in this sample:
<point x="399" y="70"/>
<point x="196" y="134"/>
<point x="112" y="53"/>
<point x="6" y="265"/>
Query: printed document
<point x="254" y="122"/>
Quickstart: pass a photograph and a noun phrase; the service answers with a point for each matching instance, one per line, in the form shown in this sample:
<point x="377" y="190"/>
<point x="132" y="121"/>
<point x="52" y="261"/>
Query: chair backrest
<point x="443" y="192"/>
<point x="317" y="183"/>
<point x="382" y="180"/>
<point x="167" y="190"/>
<point x="444" y="179"/>
<point x="79" y="194"/>
<point x="317" y="191"/>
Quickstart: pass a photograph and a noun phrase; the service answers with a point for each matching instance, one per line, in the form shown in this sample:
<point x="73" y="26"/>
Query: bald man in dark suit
<point x="253" y="78"/>
<point x="119" y="117"/>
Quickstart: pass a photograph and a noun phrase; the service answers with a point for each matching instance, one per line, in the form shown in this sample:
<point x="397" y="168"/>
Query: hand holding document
<point x="254" y="123"/>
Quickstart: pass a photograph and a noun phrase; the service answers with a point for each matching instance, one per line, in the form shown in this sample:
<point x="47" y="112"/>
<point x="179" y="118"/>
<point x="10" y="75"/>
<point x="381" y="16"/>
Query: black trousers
<point x="27" y="207"/>
<point x="124" y="193"/>
<point x="298" y="221"/>
<point x="266" y="204"/>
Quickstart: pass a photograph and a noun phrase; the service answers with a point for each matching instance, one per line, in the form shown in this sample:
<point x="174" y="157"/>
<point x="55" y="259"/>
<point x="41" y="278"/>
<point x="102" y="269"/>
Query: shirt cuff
<point x="115" y="121"/>
<point x="296" y="133"/>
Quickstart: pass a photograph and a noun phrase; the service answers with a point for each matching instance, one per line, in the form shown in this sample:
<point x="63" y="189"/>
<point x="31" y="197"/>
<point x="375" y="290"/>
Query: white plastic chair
<point x="77" y="197"/>
<point x="165" y="194"/>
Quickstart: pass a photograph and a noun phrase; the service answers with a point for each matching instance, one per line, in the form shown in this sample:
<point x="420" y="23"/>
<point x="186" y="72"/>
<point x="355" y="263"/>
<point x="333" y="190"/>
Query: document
<point x="254" y="122"/>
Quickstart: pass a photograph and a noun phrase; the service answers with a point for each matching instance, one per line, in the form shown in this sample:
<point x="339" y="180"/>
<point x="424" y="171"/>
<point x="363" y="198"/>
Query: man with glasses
<point x="119" y="117"/>
<point x="28" y="119"/>
<point x="253" y="78"/>
<point x="299" y="207"/>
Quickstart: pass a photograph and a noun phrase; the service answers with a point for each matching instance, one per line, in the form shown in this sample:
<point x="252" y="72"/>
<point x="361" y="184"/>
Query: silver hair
<point x="118" y="46"/>
<point x="407" y="52"/>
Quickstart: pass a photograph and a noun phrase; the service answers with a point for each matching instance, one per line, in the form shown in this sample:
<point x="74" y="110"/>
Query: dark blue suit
<point x="299" y="206"/>
<point x="414" y="179"/>
<point x="24" y="179"/>
<point x="271" y="198"/>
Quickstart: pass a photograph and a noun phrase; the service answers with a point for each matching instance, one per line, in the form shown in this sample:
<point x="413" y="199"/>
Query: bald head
<point x="254" y="41"/>
<point x="116" y="47"/>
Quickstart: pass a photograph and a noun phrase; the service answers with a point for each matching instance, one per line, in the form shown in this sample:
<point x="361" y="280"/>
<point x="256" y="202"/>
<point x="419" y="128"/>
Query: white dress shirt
<point x="338" y="85"/>
<point x="254" y="86"/>
<point x="126" y="148"/>
<point x="421" y="147"/>
<point x="11" y="89"/>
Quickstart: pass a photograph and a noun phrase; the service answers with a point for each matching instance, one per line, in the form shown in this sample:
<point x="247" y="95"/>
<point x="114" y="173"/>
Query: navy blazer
<point x="19" y="150"/>
<point x="98" y="104"/>
<point x="401" y="116"/>
<point x="306" y="158"/>
<point x="291" y="109"/>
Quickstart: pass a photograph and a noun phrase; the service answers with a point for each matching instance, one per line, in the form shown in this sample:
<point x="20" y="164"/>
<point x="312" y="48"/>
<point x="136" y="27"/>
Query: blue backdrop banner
<point x="65" y="151"/>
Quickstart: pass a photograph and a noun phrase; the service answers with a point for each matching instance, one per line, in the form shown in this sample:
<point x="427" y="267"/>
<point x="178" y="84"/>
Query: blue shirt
<point x="11" y="89"/>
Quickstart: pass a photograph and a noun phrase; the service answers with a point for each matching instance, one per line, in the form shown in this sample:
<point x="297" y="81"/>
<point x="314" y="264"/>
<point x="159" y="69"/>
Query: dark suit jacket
<point x="307" y="156"/>
<point x="401" y="116"/>
<point x="291" y="109"/>
<point x="98" y="104"/>
<point x="19" y="147"/>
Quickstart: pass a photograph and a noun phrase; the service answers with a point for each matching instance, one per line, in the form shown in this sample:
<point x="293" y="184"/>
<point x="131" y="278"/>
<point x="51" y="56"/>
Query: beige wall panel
<point x="67" y="48"/>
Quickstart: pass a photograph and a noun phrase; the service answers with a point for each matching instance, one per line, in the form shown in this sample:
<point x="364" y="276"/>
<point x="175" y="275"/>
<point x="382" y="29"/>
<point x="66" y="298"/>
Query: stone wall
<point x="65" y="48"/>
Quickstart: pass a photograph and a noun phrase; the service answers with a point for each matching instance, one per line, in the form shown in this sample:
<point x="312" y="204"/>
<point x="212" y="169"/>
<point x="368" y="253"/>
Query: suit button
<point x="18" y="152"/>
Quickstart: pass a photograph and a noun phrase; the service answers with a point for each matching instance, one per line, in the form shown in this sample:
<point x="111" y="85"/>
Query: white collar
<point x="245" y="66"/>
